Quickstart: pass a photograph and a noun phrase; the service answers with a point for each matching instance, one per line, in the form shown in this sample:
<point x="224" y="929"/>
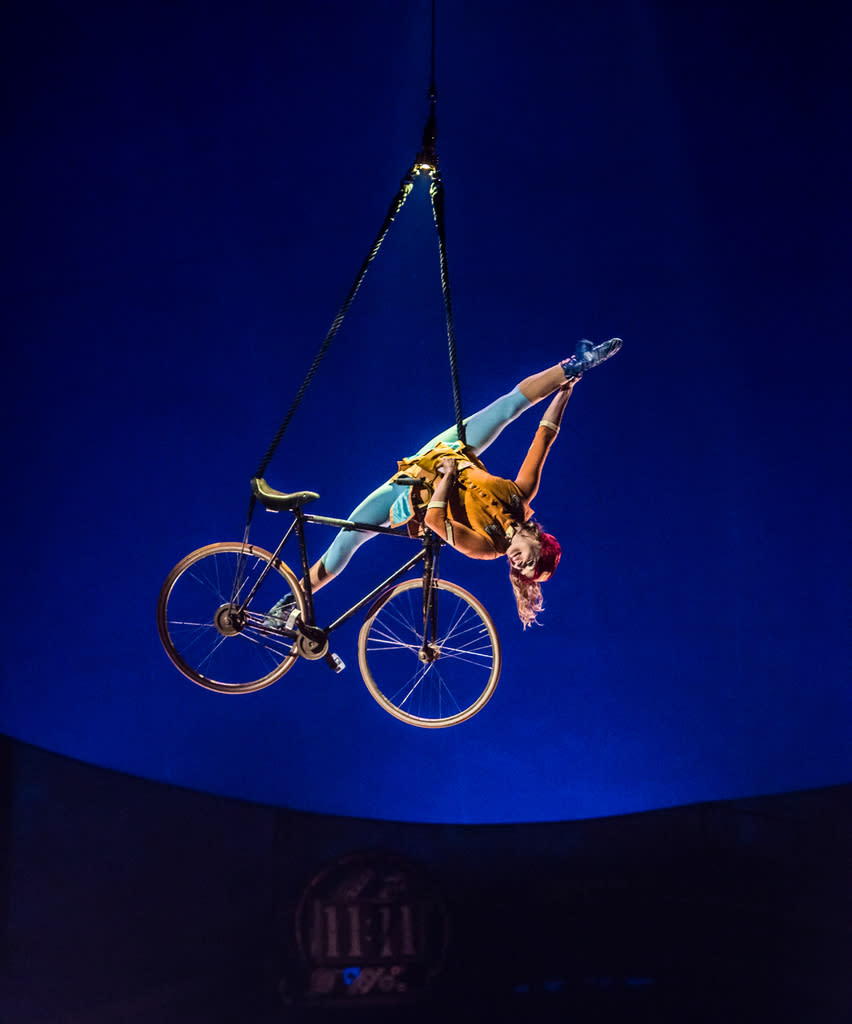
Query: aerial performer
<point x="445" y="487"/>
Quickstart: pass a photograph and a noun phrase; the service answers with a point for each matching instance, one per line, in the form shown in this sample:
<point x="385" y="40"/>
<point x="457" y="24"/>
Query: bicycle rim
<point x="199" y="628"/>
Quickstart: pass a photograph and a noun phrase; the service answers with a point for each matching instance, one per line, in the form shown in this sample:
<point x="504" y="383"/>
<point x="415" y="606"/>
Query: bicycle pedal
<point x="335" y="662"/>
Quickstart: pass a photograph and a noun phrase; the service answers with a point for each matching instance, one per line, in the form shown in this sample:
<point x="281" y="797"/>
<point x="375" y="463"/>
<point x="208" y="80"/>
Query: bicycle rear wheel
<point x="431" y="681"/>
<point x="207" y="634"/>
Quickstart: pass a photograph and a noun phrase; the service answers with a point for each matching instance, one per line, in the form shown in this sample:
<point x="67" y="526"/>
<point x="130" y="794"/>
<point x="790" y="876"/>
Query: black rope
<point x="436" y="194"/>
<point x="394" y="208"/>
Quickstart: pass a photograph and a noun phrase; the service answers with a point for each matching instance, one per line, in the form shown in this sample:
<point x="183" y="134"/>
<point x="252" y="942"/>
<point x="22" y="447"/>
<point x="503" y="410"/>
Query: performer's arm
<point x="461" y="537"/>
<point x="529" y="475"/>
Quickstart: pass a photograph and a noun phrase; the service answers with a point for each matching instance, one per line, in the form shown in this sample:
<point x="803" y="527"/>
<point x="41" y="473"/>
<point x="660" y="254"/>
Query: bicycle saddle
<point x="278" y="501"/>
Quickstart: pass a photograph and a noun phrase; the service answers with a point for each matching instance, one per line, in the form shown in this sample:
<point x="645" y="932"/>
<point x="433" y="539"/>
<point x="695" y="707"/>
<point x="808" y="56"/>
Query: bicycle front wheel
<point x="205" y="628"/>
<point x="425" y="677"/>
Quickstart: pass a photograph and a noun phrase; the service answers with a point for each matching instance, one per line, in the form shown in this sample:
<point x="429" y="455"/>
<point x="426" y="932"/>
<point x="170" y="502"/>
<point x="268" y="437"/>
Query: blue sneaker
<point x="586" y="356"/>
<point x="283" y="614"/>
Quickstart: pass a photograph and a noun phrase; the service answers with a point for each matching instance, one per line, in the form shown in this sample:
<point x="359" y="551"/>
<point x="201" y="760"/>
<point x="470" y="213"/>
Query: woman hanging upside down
<point x="449" y="490"/>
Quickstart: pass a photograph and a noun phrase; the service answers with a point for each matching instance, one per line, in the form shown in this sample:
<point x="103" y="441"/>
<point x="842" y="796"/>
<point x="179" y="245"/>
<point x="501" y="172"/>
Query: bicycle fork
<point x="430" y="651"/>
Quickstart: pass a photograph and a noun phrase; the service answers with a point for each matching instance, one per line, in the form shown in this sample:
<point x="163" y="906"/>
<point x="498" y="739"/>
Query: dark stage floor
<point x="126" y="900"/>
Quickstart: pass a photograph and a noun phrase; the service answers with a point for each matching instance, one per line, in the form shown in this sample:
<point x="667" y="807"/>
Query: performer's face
<point x="523" y="552"/>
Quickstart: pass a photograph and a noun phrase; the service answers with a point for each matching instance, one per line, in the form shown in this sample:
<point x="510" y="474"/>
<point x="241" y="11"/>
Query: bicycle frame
<point x="431" y="545"/>
<point x="213" y="621"/>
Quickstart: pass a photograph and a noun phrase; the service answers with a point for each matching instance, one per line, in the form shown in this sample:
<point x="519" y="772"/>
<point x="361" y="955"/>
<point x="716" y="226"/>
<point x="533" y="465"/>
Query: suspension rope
<point x="436" y="194"/>
<point x="394" y="208"/>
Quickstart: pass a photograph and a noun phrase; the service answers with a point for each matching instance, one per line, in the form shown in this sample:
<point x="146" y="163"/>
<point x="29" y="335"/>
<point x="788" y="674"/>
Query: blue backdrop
<point x="189" y="190"/>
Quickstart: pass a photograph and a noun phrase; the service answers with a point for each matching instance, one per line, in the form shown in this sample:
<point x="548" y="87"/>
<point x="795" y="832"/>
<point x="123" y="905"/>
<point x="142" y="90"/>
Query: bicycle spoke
<point x="206" y="659"/>
<point x="460" y="613"/>
<point x="383" y="635"/>
<point x="434" y="697"/>
<point x="408" y="623"/>
<point x="208" y="583"/>
<point x="482" y="659"/>
<point x="410" y="686"/>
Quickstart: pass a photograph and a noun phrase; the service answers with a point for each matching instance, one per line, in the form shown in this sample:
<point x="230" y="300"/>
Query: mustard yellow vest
<point x="489" y="505"/>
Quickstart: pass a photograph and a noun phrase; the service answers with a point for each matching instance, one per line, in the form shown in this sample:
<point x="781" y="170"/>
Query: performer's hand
<point x="448" y="468"/>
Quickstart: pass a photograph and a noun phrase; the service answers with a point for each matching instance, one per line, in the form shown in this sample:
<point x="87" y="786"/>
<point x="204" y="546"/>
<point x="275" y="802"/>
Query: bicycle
<point x="428" y="650"/>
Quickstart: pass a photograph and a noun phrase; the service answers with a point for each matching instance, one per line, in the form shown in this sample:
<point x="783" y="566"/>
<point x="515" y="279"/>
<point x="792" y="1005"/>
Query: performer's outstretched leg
<point x="485" y="426"/>
<point x="481" y="428"/>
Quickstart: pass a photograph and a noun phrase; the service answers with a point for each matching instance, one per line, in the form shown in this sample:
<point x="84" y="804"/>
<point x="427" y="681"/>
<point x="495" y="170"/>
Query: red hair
<point x="548" y="559"/>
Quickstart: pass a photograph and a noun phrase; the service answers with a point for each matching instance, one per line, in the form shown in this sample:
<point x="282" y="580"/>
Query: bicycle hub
<point x="229" y="620"/>
<point x="429" y="653"/>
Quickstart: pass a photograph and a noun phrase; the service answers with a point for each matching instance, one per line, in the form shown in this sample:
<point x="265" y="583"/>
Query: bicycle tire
<point x="437" y="693"/>
<point x="200" y="636"/>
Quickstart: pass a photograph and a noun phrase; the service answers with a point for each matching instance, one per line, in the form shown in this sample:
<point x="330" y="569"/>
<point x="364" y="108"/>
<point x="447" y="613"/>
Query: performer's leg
<point x="483" y="427"/>
<point x="375" y="510"/>
<point x="544" y="383"/>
